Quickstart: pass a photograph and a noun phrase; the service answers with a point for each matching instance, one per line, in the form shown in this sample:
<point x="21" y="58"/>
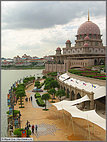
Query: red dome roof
<point x="68" y="41"/>
<point x="86" y="44"/>
<point x="58" y="48"/>
<point x="86" y="38"/>
<point x="88" y="28"/>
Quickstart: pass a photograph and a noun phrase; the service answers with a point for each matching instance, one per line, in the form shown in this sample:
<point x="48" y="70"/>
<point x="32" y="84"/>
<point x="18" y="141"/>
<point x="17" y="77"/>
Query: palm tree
<point x="52" y="92"/>
<point x="20" y="93"/>
<point x="60" y="93"/>
<point x="45" y="97"/>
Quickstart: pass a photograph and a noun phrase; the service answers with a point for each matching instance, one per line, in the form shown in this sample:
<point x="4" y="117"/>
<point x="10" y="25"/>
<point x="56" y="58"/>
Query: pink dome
<point x="86" y="38"/>
<point x="68" y="41"/>
<point x="58" y="48"/>
<point x="86" y="44"/>
<point x="88" y="28"/>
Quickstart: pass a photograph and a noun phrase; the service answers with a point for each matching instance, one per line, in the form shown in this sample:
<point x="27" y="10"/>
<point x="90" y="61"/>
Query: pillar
<point x="92" y="100"/>
<point x="75" y="92"/>
<point x="70" y="93"/>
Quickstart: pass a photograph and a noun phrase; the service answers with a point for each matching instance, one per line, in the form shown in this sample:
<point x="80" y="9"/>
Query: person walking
<point x="33" y="129"/>
<point x="36" y="127"/>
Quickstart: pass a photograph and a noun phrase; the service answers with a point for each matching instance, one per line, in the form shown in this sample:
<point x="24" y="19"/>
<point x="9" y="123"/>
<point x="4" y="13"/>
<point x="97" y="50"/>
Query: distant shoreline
<point x="10" y="68"/>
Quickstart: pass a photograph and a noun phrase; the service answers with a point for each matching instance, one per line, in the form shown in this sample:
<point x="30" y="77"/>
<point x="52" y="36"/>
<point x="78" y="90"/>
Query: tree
<point x="20" y="94"/>
<point x="54" y="84"/>
<point x="52" y="92"/>
<point x="51" y="84"/>
<point x="60" y="93"/>
<point x="45" y="97"/>
<point x="37" y="84"/>
<point x="44" y="77"/>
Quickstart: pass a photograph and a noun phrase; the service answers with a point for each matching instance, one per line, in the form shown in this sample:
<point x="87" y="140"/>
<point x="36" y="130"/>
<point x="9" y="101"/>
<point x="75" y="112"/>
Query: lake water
<point x="8" y="77"/>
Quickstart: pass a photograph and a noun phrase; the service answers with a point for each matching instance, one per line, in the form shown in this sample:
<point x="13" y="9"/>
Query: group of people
<point x="34" y="127"/>
<point x="30" y="98"/>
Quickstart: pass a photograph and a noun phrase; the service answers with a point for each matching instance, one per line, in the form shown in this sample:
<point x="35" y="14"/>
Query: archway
<point x="78" y="96"/>
<point x="95" y="62"/>
<point x="101" y="62"/>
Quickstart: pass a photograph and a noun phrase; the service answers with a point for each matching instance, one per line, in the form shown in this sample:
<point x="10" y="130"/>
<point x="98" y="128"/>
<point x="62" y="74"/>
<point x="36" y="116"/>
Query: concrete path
<point x="53" y="124"/>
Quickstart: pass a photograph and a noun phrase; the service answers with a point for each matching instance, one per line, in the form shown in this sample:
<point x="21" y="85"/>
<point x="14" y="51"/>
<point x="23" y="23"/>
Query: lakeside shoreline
<point x="22" y="68"/>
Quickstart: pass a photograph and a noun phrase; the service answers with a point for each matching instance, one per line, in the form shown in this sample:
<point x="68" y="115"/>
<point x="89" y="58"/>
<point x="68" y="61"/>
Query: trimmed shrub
<point x="21" y="107"/>
<point x="20" y="103"/>
<point x="15" y="112"/>
<point x="37" y="95"/>
<point x="40" y="102"/>
<point x="44" y="77"/>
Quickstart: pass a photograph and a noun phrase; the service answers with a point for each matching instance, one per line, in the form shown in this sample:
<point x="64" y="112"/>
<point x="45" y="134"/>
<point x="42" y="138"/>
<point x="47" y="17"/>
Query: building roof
<point x="58" y="48"/>
<point x="86" y="38"/>
<point x="88" y="28"/>
<point x="68" y="41"/>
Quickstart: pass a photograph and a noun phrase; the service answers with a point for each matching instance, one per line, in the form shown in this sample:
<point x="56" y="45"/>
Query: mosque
<point x="88" y="50"/>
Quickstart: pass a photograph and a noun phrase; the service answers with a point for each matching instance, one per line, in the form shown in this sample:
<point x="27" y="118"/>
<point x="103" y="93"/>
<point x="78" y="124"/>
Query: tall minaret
<point x="88" y="16"/>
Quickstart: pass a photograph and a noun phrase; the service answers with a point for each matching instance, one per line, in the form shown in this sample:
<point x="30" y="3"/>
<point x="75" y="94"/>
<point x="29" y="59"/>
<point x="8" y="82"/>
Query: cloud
<point x="38" y="28"/>
<point x="39" y="15"/>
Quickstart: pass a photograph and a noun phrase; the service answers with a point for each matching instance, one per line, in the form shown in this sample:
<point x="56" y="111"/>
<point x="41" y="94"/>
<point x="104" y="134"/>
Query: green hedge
<point x="37" y="95"/>
<point x="79" y="72"/>
<point x="40" y="102"/>
<point x="82" y="71"/>
<point x="15" y="112"/>
<point x="52" y="73"/>
<point x="27" y="79"/>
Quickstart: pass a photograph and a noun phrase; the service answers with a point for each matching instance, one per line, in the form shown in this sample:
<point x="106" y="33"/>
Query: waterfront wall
<point x="54" y="68"/>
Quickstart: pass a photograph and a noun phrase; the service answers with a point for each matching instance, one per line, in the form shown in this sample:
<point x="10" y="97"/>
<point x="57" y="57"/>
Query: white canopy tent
<point x="70" y="103"/>
<point x="99" y="91"/>
<point x="90" y="115"/>
<point x="64" y="77"/>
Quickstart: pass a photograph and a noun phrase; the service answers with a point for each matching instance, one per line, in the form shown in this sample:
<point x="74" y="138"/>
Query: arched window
<point x="90" y="36"/>
<point x="95" y="62"/>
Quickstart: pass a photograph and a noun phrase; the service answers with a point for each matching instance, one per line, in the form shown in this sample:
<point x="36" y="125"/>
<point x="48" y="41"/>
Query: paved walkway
<point x="34" y="103"/>
<point x="53" y="125"/>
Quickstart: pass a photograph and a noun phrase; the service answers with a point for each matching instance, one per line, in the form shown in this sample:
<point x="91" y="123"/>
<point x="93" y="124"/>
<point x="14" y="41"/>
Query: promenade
<point x="54" y="125"/>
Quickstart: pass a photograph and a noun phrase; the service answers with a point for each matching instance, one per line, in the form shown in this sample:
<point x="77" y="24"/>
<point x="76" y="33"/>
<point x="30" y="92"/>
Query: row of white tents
<point x="70" y="106"/>
<point x="99" y="91"/>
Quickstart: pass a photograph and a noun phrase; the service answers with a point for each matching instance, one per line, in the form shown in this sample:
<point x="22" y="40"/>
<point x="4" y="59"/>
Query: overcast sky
<point x="37" y="28"/>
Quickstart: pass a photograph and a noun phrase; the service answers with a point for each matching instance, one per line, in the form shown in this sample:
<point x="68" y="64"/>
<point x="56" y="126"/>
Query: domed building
<point x="88" y="50"/>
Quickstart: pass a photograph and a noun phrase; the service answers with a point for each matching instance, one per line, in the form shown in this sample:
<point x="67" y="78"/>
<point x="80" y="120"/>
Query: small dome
<point x="86" y="44"/>
<point x="68" y="41"/>
<point x="86" y="38"/>
<point x="88" y="28"/>
<point x="58" y="48"/>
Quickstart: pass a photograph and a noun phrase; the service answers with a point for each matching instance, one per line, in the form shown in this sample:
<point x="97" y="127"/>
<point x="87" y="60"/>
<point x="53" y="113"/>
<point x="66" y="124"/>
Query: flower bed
<point x="88" y="73"/>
